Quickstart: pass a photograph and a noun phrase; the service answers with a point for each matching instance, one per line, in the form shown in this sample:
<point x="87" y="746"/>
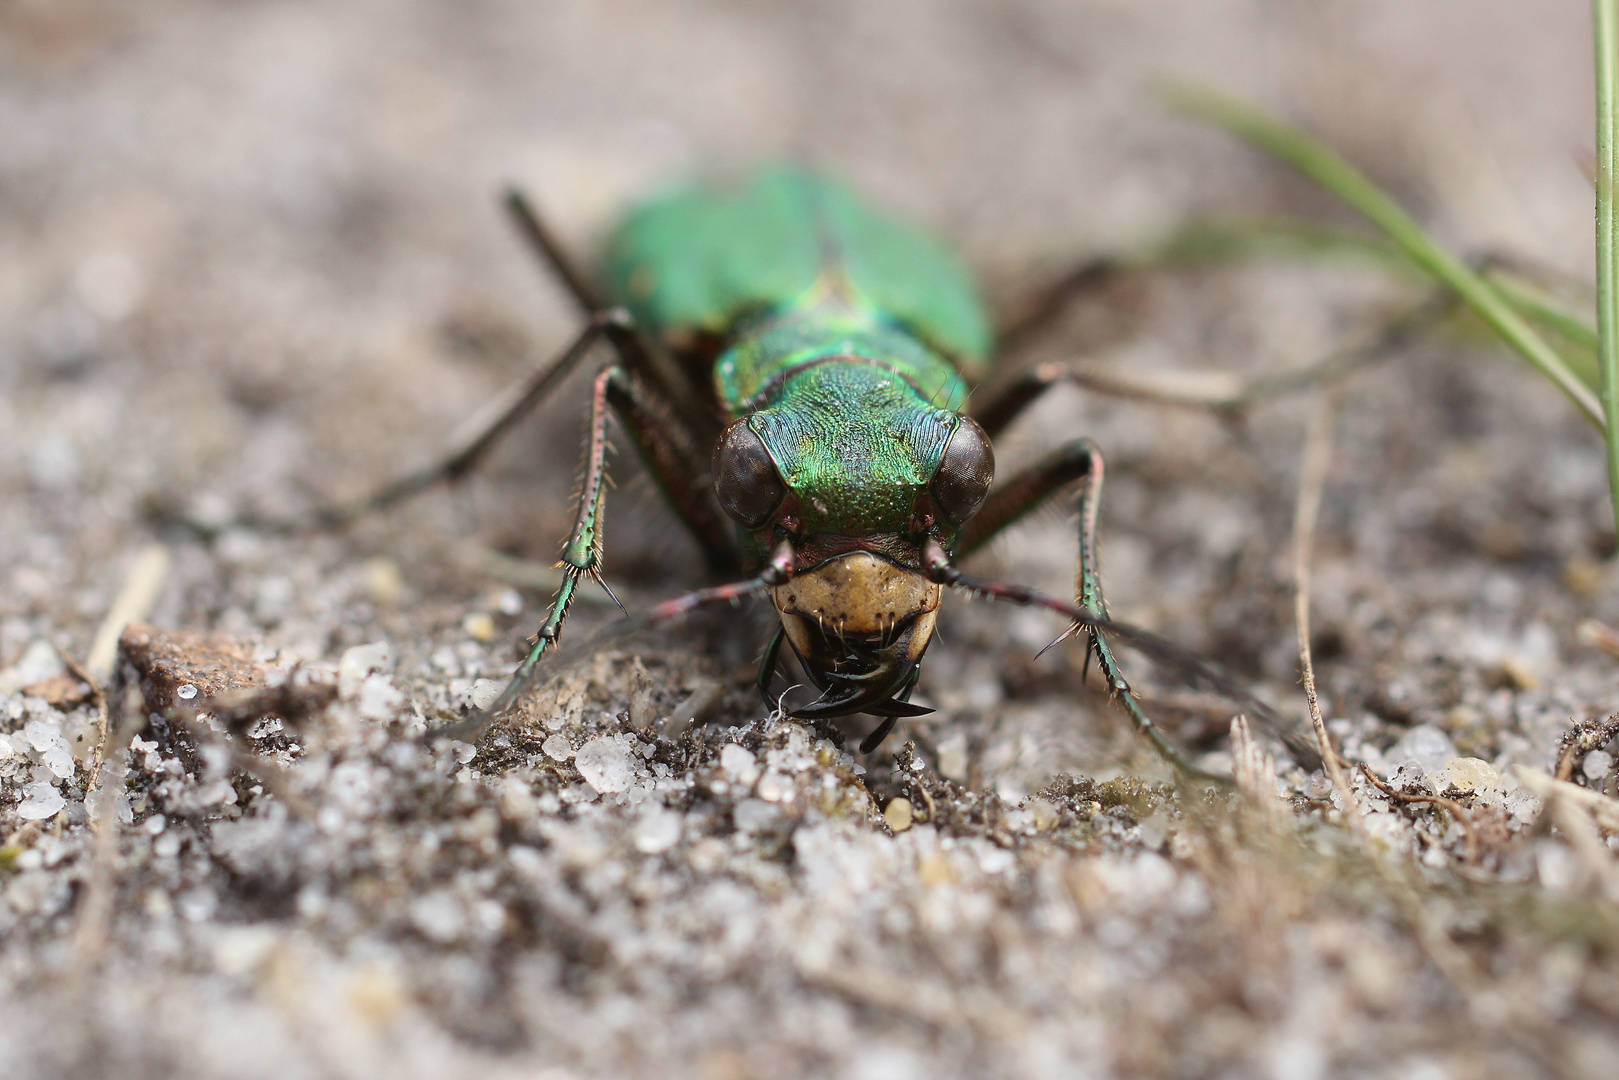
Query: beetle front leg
<point x="581" y="555"/>
<point x="677" y="467"/>
<point x="1080" y="461"/>
<point x="1088" y="594"/>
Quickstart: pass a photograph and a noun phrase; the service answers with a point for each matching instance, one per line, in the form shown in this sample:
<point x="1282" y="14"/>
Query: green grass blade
<point x="1553" y="316"/>
<point x="1199" y="241"/>
<point x="1216" y="240"/>
<point x="1605" y="30"/>
<point x="1322" y="165"/>
<point x="1534" y="303"/>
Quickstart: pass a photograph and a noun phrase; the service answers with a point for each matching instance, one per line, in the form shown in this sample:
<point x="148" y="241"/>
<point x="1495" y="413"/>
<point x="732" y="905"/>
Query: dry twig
<point x="95" y="915"/>
<point x="1457" y="810"/>
<point x="98" y="694"/>
<point x="132" y="604"/>
<point x="1579" y="812"/>
<point x="1312" y="478"/>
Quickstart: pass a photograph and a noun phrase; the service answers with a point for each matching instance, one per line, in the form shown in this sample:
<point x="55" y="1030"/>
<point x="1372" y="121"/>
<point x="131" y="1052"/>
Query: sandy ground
<point x="251" y="261"/>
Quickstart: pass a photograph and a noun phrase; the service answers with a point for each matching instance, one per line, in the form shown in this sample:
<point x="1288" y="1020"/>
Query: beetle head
<point x="856" y="471"/>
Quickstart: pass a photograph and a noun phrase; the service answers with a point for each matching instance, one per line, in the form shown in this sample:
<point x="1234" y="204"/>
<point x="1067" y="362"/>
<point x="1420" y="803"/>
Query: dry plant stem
<point x="1457" y="810"/>
<point x="1491" y="1008"/>
<point x="95" y="916"/>
<point x="133" y="603"/>
<point x="99" y="695"/>
<point x="1580" y="815"/>
<point x="1604" y="808"/>
<point x="1312" y="478"/>
<point x="1232" y="394"/>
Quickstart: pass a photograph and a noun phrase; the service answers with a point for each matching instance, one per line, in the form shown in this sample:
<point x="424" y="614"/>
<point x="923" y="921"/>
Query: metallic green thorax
<point x="849" y="339"/>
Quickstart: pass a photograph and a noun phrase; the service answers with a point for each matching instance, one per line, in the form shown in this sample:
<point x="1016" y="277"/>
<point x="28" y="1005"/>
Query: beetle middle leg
<point x="464" y="458"/>
<point x="998" y="405"/>
<point x="658" y="395"/>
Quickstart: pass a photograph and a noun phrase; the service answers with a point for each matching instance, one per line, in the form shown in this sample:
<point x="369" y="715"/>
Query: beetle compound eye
<point x="745" y="477"/>
<point x="964" y="472"/>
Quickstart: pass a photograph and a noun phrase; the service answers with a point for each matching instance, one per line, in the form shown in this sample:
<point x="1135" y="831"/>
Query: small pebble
<point x="1519" y="674"/>
<point x="1425" y="744"/>
<point x="479" y="626"/>
<point x="740" y="764"/>
<point x="43" y="801"/>
<point x="1597" y="765"/>
<point x="605" y="765"/>
<point x="557" y="748"/>
<point x="658" y="831"/>
<point x="1472" y="774"/>
<point x="186" y="691"/>
<point x="383" y="581"/>
<point x="953" y="757"/>
<point x="753" y="815"/>
<point x="898" y="814"/>
<point x="485" y="691"/>
<point x="1045" y="814"/>
<point x="776" y="787"/>
<point x="358" y="662"/>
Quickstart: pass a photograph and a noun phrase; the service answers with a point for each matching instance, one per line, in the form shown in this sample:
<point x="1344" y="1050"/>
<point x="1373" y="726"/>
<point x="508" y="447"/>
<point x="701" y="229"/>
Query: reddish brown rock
<point x="170" y="659"/>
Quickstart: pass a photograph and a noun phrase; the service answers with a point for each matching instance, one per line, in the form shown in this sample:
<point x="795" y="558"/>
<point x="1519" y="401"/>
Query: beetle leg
<point x="767" y="667"/>
<point x="545" y="244"/>
<point x="1047" y="306"/>
<point x="777" y="570"/>
<point x="1079" y="460"/>
<point x="999" y="405"/>
<point x="633" y="350"/>
<point x="1011" y="500"/>
<point x="458" y="462"/>
<point x="1088" y="595"/>
<point x="1203" y="672"/>
<point x="581" y="555"/>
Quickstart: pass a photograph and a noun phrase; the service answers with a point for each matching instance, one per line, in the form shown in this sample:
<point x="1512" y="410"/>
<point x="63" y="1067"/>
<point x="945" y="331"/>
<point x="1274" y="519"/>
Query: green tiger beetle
<point x="797" y="372"/>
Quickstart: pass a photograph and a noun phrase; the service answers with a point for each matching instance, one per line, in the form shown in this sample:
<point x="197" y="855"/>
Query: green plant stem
<point x="1605" y="31"/>
<point x="1332" y="172"/>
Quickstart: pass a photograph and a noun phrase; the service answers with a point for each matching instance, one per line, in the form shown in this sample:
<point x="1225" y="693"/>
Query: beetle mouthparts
<point x="860" y="625"/>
